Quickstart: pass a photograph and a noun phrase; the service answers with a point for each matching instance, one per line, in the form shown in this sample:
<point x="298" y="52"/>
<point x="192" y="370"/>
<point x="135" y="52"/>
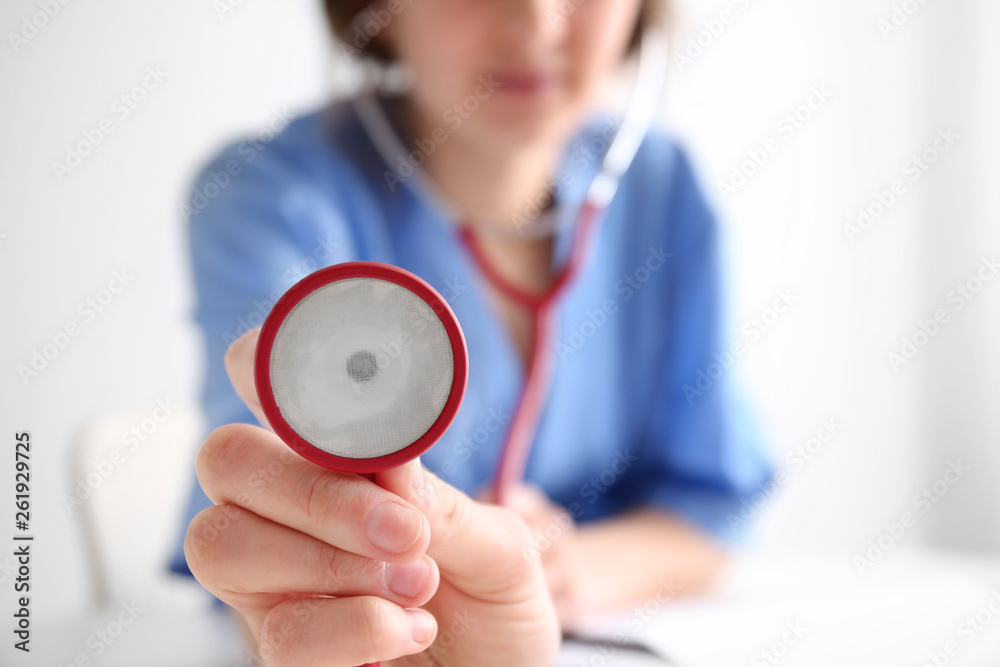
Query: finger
<point x="482" y="549"/>
<point x="247" y="466"/>
<point x="342" y="632"/>
<point x="567" y="610"/>
<point x="250" y="562"/>
<point x="561" y="587"/>
<point x="556" y="573"/>
<point x="528" y="500"/>
<point x="542" y="515"/>
<point x="522" y="498"/>
<point x="239" y="363"/>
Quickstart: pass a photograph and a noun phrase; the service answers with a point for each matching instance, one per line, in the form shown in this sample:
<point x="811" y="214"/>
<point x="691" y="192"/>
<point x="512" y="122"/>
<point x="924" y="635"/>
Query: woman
<point x="637" y="461"/>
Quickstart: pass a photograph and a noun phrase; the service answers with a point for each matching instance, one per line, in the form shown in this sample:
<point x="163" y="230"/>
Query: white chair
<point x="132" y="474"/>
<point x="131" y="477"/>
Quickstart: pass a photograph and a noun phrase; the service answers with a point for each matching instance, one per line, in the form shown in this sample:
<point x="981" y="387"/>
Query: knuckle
<point x="374" y="620"/>
<point x="220" y="450"/>
<point x="330" y="567"/>
<point x="272" y="645"/>
<point x="208" y="540"/>
<point x="454" y="508"/>
<point x="368" y="570"/>
<point x="337" y="570"/>
<point x="515" y="544"/>
<point x="317" y="492"/>
<point x="294" y="629"/>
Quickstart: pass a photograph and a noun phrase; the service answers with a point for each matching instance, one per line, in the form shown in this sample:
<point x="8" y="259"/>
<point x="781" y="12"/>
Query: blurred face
<point x="506" y="72"/>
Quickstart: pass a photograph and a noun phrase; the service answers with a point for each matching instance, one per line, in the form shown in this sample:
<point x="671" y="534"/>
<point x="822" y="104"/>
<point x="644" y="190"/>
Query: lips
<point x="525" y="83"/>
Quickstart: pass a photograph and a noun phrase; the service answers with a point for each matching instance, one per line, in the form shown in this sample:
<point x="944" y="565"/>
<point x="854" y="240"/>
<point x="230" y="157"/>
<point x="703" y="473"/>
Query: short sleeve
<point x="702" y="455"/>
<point x="256" y="225"/>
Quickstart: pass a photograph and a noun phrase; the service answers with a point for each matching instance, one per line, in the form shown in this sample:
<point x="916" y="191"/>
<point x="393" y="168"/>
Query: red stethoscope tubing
<point x="542" y="309"/>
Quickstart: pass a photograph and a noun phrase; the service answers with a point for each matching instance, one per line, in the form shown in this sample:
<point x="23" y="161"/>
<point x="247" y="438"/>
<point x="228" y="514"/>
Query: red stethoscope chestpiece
<point x="361" y="367"/>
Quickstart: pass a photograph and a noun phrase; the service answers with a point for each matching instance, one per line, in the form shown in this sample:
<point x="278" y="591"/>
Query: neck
<point x="489" y="183"/>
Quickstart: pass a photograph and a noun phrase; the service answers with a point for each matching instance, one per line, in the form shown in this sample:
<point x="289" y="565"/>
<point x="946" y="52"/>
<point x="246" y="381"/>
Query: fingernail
<point x="393" y="527"/>
<point x="408" y="580"/>
<point x="421" y="625"/>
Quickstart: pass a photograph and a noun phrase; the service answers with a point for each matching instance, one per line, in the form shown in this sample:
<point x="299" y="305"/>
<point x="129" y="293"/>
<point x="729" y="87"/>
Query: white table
<point x="805" y="611"/>
<point x="909" y="611"/>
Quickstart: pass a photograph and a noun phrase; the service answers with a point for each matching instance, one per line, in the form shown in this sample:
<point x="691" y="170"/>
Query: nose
<point x="535" y="21"/>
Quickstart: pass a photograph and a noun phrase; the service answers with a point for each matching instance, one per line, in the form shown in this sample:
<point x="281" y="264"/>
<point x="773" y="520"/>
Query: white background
<point x="61" y="240"/>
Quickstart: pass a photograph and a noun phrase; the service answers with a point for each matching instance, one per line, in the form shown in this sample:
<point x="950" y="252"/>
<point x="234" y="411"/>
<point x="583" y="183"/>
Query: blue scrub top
<point x="640" y="411"/>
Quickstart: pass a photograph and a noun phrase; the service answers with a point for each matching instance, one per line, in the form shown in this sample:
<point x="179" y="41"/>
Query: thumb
<point x="484" y="550"/>
<point x="240" y="367"/>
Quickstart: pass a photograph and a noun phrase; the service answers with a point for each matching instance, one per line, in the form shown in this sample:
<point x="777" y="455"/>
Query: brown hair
<point x="348" y="26"/>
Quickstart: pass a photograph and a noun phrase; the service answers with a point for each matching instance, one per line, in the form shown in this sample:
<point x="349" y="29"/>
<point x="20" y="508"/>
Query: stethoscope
<point x="362" y="366"/>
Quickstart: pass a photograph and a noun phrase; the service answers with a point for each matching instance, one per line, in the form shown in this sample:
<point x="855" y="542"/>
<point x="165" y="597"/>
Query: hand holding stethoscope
<point x="379" y="566"/>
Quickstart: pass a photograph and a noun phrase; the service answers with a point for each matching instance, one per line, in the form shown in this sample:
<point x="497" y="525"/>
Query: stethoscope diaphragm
<point x="361" y="366"/>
